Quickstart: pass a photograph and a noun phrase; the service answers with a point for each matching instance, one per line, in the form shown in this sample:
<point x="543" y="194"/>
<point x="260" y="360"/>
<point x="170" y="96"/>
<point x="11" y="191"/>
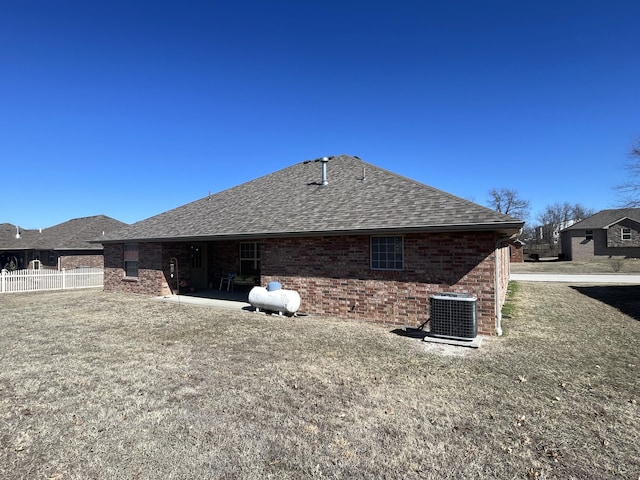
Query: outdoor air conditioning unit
<point x="454" y="315"/>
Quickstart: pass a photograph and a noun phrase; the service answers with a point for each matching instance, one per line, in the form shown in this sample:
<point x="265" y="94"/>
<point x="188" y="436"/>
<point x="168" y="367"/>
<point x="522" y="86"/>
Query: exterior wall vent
<point x="454" y="315"/>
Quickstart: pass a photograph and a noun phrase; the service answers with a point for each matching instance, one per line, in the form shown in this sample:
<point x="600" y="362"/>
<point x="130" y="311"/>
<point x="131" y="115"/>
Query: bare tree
<point x="629" y="191"/>
<point x="507" y="201"/>
<point x="559" y="216"/>
<point x="528" y="233"/>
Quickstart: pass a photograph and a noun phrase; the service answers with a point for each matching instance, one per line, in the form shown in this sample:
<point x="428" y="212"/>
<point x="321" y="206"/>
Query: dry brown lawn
<point x="624" y="266"/>
<point x="106" y="386"/>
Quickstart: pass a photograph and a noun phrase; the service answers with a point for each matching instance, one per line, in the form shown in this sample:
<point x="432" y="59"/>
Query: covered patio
<point x="236" y="300"/>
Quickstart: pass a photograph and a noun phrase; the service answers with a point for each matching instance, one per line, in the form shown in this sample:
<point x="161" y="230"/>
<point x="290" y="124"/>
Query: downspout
<point x="497" y="287"/>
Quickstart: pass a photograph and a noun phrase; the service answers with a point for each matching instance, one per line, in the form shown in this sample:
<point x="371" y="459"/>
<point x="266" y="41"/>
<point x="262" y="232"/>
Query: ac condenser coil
<point x="454" y="315"/>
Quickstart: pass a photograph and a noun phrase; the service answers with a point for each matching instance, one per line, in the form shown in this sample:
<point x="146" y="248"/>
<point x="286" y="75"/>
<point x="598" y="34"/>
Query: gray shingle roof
<point x="8" y="236"/>
<point x="359" y="197"/>
<point x="604" y="218"/>
<point x="74" y="234"/>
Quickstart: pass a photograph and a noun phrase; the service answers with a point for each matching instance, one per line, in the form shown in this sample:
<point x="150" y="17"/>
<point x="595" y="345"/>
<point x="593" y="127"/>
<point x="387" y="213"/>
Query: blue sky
<point x="131" y="108"/>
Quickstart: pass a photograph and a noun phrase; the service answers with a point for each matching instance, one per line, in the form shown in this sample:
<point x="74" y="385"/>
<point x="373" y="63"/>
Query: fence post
<point x="64" y="279"/>
<point x="4" y="276"/>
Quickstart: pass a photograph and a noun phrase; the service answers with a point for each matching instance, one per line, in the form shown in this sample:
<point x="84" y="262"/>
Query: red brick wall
<point x="154" y="273"/>
<point x="69" y="261"/>
<point x="333" y="277"/>
<point x="516" y="250"/>
<point x="180" y="253"/>
<point x="224" y="258"/>
<point x="152" y="280"/>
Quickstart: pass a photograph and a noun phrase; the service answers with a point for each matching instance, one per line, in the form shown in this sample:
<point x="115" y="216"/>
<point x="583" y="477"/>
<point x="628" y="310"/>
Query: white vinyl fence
<point x="35" y="280"/>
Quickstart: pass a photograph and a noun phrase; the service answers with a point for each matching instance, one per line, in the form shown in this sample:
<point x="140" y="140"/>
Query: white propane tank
<point x="281" y="301"/>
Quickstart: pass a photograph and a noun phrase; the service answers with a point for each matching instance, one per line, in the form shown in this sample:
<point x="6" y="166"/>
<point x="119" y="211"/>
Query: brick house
<point x="611" y="233"/>
<point x="66" y="245"/>
<point x="356" y="241"/>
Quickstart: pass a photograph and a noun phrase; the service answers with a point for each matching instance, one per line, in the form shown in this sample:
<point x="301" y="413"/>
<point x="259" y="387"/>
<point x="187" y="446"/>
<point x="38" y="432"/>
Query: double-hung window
<point x="626" y="233"/>
<point x="131" y="260"/>
<point x="387" y="253"/>
<point x="249" y="258"/>
<point x="588" y="235"/>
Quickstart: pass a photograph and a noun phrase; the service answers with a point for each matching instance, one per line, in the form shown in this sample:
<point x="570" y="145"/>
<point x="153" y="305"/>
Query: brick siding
<point x="151" y="278"/>
<point x="516" y="252"/>
<point x="333" y="276"/>
<point x="69" y="261"/>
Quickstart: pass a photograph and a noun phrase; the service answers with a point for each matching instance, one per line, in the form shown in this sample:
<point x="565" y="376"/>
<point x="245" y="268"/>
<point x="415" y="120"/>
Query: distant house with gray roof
<point x="66" y="245"/>
<point x="355" y="240"/>
<point x="613" y="233"/>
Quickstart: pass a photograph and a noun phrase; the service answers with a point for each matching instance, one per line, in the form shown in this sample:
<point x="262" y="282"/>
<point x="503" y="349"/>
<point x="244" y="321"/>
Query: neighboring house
<point x="551" y="233"/>
<point x="547" y="240"/>
<point x="607" y="234"/>
<point x="354" y="240"/>
<point x="65" y="245"/>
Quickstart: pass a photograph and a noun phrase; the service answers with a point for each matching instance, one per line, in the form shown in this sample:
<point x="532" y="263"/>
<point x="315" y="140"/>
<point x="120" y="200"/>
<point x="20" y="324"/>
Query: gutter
<point x="504" y="228"/>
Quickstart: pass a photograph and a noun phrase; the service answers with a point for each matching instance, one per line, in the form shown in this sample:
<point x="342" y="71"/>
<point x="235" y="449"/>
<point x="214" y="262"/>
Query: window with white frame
<point x="131" y="260"/>
<point x="387" y="253"/>
<point x="626" y="233"/>
<point x="249" y="258"/>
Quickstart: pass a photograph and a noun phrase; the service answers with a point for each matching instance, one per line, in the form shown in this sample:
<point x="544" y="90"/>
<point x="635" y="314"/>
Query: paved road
<point x="595" y="278"/>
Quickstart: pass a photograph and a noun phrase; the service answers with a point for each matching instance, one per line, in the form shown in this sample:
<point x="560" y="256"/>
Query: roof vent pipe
<point x="324" y="161"/>
<point x="17" y="232"/>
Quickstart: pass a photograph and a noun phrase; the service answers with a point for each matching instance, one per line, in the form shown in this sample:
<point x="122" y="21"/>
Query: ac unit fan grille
<point x="454" y="316"/>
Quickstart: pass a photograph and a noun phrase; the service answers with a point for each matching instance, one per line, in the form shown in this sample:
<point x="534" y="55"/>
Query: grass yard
<point x="611" y="266"/>
<point x="107" y="386"/>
